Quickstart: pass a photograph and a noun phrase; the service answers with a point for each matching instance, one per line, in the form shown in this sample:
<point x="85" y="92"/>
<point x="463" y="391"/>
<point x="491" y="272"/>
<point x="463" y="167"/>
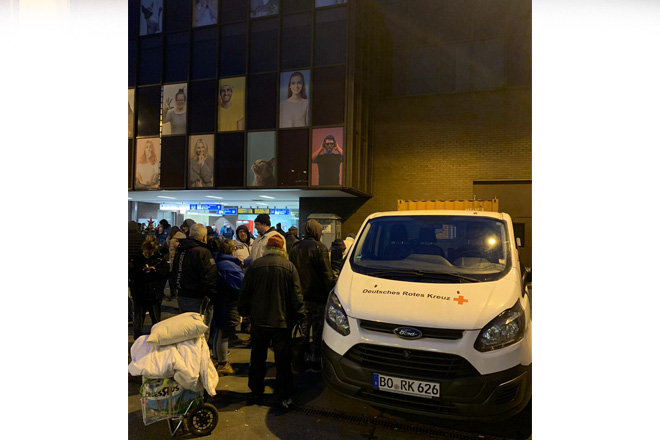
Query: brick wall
<point x="434" y="147"/>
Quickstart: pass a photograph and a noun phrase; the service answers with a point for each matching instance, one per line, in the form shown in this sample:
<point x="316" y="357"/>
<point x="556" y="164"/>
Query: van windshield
<point x="433" y="248"/>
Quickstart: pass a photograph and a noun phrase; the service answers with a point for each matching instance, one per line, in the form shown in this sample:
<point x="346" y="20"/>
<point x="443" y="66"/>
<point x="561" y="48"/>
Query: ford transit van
<point x="430" y="315"/>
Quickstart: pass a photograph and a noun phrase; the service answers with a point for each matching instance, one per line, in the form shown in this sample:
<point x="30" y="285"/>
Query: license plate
<point x="406" y="386"/>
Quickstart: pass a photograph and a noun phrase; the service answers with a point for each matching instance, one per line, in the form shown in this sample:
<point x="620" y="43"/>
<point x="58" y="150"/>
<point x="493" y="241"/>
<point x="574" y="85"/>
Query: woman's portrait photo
<point x="174" y="109"/>
<point x="131" y="112"/>
<point x="322" y="3"/>
<point x="327" y="156"/>
<point x="294" y="102"/>
<point x="205" y="12"/>
<point x="261" y="159"/>
<point x="231" y="104"/>
<point x="263" y="8"/>
<point x="147" y="163"/>
<point x="151" y="17"/>
<point x="200" y="161"/>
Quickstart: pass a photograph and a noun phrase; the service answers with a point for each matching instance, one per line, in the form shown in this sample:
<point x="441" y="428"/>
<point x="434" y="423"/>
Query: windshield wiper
<point x="421" y="274"/>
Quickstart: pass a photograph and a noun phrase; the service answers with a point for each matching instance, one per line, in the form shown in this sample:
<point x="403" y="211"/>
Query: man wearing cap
<point x="272" y="298"/>
<point x="186" y="225"/>
<point x="266" y="231"/>
<point x="310" y="256"/>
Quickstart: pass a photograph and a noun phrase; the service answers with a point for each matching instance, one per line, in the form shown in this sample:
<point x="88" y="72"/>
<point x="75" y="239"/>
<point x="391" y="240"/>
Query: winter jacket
<point x="135" y="240"/>
<point x="193" y="270"/>
<point x="291" y="238"/>
<point x="259" y="244"/>
<point x="271" y="294"/>
<point x="230" y="280"/>
<point x="243" y="248"/>
<point x="147" y="285"/>
<point x="311" y="258"/>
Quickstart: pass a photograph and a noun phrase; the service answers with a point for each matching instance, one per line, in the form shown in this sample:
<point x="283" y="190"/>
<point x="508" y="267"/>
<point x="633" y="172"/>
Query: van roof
<point x="443" y="212"/>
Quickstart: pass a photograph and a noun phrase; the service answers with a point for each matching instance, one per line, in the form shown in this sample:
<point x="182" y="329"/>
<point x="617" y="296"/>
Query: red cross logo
<point x="460" y="300"/>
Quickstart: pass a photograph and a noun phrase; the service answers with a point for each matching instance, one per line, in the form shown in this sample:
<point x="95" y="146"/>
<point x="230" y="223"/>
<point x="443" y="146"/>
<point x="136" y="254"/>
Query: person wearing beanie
<point x="265" y="230"/>
<point x="291" y="237"/>
<point x="310" y="256"/>
<point x="271" y="296"/>
<point x="186" y="225"/>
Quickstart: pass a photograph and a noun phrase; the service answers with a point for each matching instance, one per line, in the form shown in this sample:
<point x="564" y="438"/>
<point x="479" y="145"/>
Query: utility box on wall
<point x="331" y="227"/>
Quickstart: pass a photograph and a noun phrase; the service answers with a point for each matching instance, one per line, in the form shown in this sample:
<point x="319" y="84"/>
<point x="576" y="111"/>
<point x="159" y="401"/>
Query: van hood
<point x="460" y="306"/>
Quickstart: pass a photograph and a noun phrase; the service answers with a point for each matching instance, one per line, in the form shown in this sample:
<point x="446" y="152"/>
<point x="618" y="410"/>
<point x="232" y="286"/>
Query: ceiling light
<point x="214" y="197"/>
<point x="165" y="197"/>
<point x="265" y="204"/>
<point x="267" y="197"/>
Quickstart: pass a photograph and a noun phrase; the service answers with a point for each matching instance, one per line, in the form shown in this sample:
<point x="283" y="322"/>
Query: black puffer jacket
<point x="270" y="294"/>
<point x="195" y="275"/>
<point x="147" y="284"/>
<point x="311" y="258"/>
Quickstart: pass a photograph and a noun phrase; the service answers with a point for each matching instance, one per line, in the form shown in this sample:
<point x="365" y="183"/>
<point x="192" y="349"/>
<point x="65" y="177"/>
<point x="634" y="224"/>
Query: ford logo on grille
<point x="408" y="332"/>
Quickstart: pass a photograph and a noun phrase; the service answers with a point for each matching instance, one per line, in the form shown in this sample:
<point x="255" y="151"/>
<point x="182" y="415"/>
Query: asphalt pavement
<point x="319" y="413"/>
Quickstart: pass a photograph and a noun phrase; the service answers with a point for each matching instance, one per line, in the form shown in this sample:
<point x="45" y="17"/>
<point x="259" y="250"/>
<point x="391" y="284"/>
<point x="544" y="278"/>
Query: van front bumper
<point x="489" y="397"/>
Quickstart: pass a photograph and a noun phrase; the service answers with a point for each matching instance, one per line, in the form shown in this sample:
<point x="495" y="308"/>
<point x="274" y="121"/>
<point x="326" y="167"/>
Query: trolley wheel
<point x="202" y="419"/>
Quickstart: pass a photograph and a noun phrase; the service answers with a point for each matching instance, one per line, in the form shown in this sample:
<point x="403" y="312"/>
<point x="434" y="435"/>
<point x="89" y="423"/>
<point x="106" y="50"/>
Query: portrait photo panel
<point x="263" y="8"/>
<point x="175" y="104"/>
<point x="205" y="12"/>
<point x="327" y="155"/>
<point x="261" y="159"/>
<point x="201" y="161"/>
<point x="151" y="17"/>
<point x="323" y="3"/>
<point x="231" y="104"/>
<point x="294" y="98"/>
<point x="131" y="112"/>
<point x="147" y="163"/>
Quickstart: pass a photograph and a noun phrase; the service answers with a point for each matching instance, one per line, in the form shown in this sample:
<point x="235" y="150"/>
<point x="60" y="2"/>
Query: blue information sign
<point x="230" y="211"/>
<point x="279" y="212"/>
<point x="205" y="207"/>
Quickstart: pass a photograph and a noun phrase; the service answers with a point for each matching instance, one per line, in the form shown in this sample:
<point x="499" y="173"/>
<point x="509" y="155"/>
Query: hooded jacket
<point x="311" y="258"/>
<point x="193" y="270"/>
<point x="243" y="248"/>
<point x="271" y="294"/>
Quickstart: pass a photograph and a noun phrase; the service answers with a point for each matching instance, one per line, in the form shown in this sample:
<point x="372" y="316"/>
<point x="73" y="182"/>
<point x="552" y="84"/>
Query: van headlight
<point x="506" y="329"/>
<point x="335" y="315"/>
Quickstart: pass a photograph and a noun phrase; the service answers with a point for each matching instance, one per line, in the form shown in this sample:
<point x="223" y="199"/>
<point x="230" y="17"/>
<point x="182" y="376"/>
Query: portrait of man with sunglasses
<point x="329" y="159"/>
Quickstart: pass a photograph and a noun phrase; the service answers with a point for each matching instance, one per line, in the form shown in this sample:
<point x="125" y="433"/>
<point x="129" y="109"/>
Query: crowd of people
<point x="264" y="285"/>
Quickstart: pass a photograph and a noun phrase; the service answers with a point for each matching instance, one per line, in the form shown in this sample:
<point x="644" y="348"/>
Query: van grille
<point x="418" y="363"/>
<point x="427" y="332"/>
<point x="434" y="405"/>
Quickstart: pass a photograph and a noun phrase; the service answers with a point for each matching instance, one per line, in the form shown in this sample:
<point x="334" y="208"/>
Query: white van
<point x="431" y="315"/>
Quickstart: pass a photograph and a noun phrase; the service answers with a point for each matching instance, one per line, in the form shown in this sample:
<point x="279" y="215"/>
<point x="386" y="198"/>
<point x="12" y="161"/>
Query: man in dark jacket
<point x="271" y="297"/>
<point x="195" y="274"/>
<point x="291" y="237"/>
<point x="310" y="256"/>
<point x="135" y="239"/>
<point x="147" y="274"/>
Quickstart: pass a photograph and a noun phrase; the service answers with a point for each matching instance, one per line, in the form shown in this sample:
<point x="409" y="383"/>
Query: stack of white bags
<point x="176" y="348"/>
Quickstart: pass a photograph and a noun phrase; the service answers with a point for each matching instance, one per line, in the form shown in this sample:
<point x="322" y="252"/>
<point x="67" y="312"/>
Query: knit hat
<point x="188" y="223"/>
<point x="275" y="241"/>
<point x="263" y="219"/>
<point x="179" y="235"/>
